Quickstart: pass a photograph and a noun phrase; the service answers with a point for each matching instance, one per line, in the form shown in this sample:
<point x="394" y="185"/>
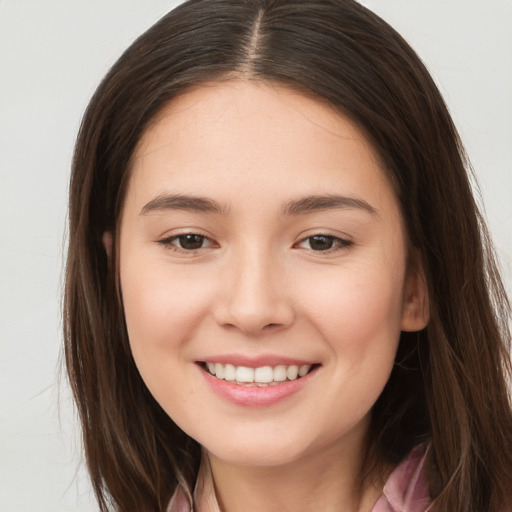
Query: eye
<point x="323" y="243"/>
<point x="187" y="242"/>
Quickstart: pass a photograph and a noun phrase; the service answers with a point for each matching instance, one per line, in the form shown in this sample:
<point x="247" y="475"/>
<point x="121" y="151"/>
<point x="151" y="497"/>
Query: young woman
<point x="280" y="293"/>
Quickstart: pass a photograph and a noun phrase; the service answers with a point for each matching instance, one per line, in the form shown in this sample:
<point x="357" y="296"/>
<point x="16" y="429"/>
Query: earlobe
<point x="107" y="243"/>
<point x="415" y="311"/>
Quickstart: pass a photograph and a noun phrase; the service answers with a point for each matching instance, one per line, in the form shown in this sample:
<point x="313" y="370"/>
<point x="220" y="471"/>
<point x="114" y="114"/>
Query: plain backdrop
<point x="52" y="55"/>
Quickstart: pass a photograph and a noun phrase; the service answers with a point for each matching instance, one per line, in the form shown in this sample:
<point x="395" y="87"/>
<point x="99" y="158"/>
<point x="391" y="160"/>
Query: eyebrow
<point x="183" y="202"/>
<point x="302" y="206"/>
<point x="312" y="204"/>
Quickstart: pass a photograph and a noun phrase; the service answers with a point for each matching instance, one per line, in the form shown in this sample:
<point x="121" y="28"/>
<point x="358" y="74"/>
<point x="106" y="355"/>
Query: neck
<point x="327" y="480"/>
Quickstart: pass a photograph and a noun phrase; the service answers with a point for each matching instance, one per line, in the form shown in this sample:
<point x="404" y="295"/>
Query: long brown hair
<point x="449" y="384"/>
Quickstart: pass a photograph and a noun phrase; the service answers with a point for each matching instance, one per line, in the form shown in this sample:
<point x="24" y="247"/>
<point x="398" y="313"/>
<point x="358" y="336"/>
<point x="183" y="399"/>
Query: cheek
<point x="154" y="293"/>
<point x="360" y="322"/>
<point x="162" y="311"/>
<point x="356" y="308"/>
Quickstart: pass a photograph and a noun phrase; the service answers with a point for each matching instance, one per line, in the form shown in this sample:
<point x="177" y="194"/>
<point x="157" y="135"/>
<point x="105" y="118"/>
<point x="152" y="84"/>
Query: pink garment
<point x="405" y="491"/>
<point x="407" y="488"/>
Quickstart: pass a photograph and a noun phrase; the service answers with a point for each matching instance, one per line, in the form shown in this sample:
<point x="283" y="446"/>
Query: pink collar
<point x="406" y="489"/>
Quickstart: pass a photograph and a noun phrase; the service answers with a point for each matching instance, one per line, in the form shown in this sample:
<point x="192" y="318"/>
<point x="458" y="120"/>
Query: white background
<point x="52" y="55"/>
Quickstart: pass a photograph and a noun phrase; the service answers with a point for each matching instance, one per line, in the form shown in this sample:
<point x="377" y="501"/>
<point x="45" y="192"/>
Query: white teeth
<point x="229" y="372"/>
<point x="303" y="370"/>
<point x="292" y="372"/>
<point x="219" y="370"/>
<point x="261" y="376"/>
<point x="280" y="373"/>
<point x="264" y="374"/>
<point x="244" y="374"/>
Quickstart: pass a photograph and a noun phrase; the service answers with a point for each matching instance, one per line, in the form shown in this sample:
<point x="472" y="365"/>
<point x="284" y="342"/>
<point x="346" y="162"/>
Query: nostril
<point x="253" y="318"/>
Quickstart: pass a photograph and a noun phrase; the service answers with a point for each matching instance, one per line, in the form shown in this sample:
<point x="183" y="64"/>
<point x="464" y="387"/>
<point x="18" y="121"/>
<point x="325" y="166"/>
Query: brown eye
<point x="321" y="242"/>
<point x="324" y="243"/>
<point x="190" y="242"/>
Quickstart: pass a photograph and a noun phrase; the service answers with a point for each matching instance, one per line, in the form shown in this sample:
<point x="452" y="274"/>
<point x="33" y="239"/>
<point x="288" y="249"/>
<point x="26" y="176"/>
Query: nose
<point x="254" y="297"/>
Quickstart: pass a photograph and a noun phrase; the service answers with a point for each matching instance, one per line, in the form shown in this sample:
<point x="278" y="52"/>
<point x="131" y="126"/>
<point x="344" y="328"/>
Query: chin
<point x="256" y="456"/>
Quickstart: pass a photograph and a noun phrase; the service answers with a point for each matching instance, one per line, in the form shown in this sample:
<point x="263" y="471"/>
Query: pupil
<point x="191" y="242"/>
<point x="321" y="243"/>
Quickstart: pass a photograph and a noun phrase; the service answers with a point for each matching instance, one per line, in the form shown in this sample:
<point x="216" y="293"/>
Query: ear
<point x="107" y="243"/>
<point x="415" y="310"/>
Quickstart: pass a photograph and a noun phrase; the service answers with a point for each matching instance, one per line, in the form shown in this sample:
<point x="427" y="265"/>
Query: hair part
<point x="449" y="383"/>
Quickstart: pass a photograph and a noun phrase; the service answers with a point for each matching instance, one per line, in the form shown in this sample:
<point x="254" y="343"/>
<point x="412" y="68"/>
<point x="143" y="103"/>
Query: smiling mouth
<point x="262" y="376"/>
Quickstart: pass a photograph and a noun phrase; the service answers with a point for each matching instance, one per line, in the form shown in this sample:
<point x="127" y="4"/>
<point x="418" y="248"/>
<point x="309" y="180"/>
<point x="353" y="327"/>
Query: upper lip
<point x="256" y="361"/>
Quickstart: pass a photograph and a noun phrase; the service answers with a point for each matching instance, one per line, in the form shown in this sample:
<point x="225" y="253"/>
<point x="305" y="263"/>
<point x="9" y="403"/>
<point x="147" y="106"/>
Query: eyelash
<point x="335" y="242"/>
<point x="170" y="242"/>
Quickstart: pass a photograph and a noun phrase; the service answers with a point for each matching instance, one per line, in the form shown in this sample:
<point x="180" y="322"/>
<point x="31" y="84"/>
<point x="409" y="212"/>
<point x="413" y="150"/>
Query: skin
<point x="257" y="285"/>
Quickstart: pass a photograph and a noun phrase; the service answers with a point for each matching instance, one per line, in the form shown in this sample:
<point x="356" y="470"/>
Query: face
<point x="263" y="272"/>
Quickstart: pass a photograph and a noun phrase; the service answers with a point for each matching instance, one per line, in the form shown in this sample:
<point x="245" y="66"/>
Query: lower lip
<point x="256" y="396"/>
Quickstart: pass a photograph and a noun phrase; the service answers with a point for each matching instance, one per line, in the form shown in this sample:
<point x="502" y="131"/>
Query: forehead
<point x="251" y="107"/>
<point x="251" y="135"/>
